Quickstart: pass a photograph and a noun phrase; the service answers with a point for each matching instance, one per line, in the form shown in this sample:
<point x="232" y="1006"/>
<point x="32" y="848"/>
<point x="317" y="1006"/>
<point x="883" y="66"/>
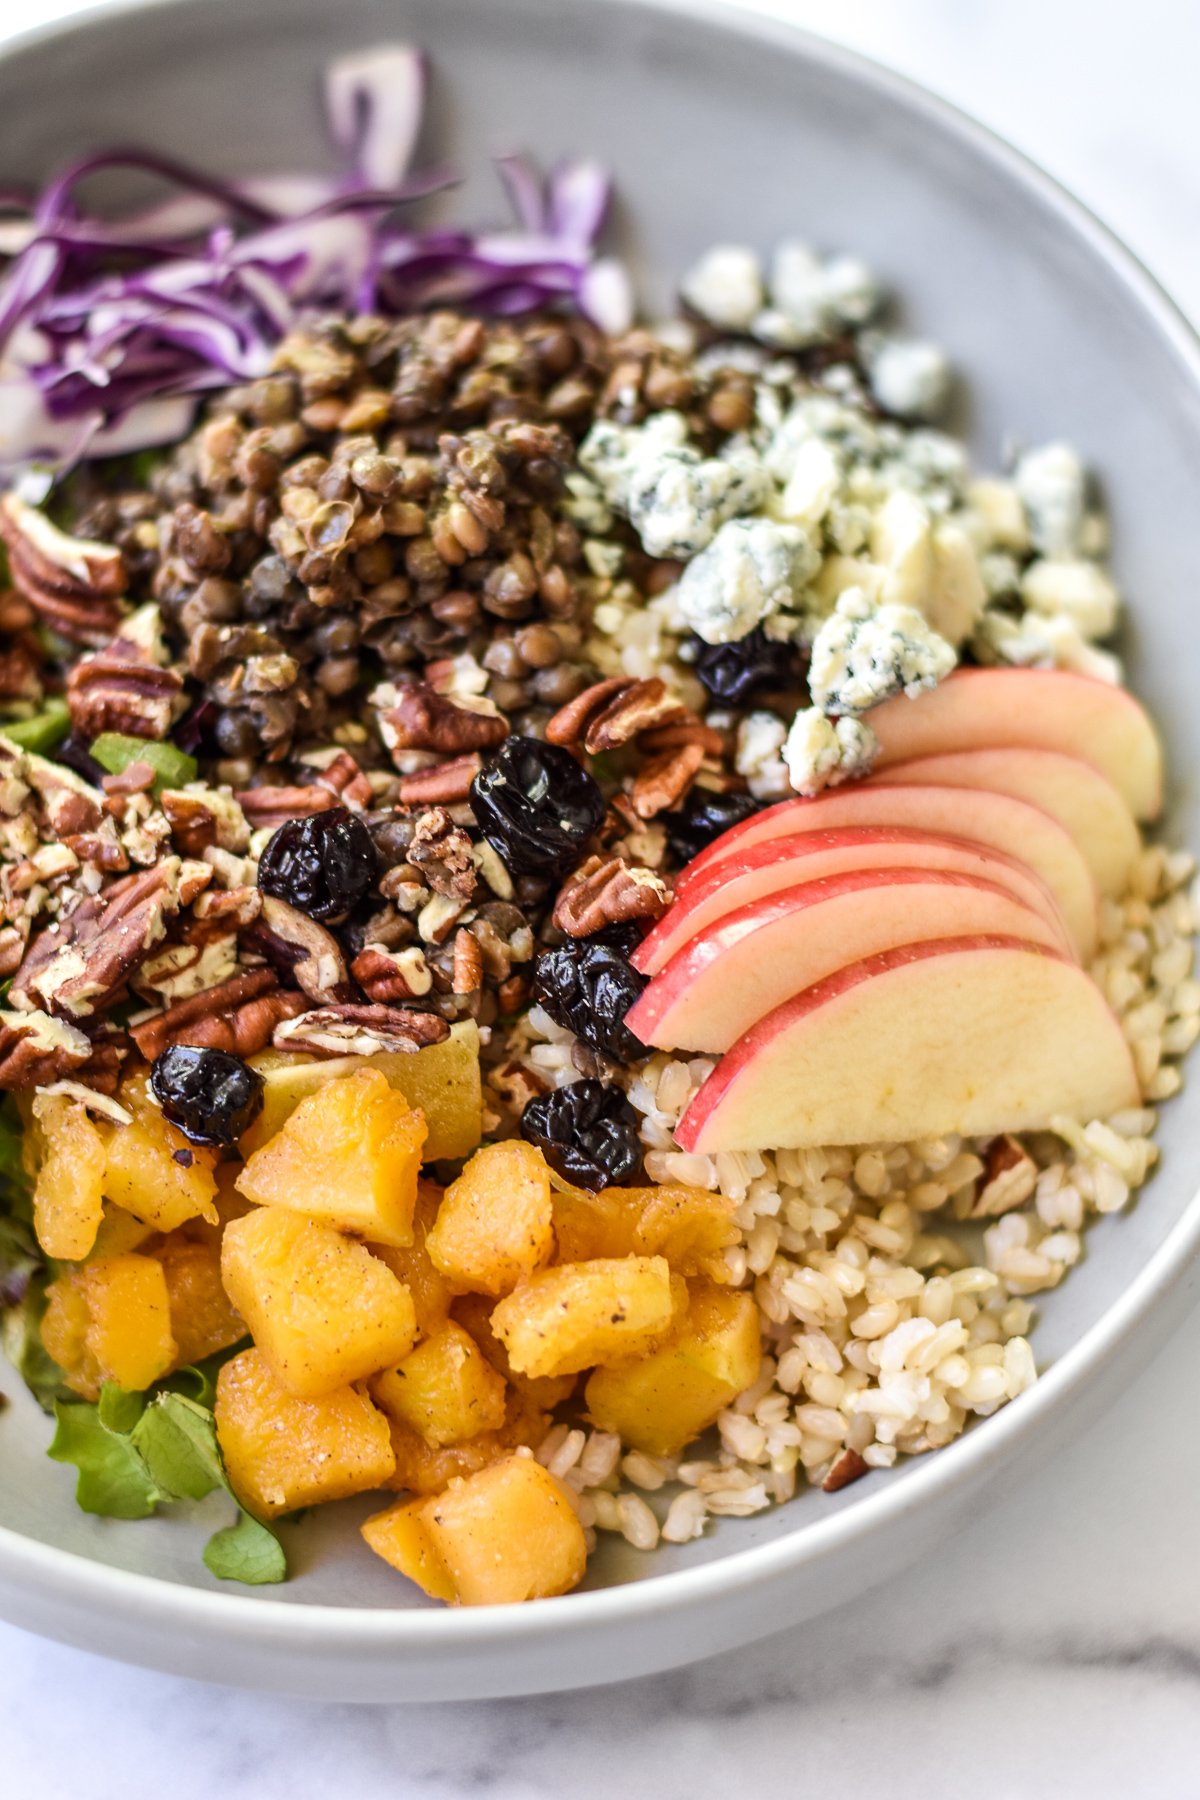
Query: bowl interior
<point x="714" y="130"/>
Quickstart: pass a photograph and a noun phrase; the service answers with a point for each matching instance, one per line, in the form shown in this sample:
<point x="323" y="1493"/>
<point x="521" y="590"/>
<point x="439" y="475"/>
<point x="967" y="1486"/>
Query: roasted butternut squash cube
<point x="413" y="1265"/>
<point x="474" y="1313"/>
<point x="68" y="1197"/>
<point x="349" y="1155"/>
<point x="662" y="1401"/>
<point x="110" y="1320"/>
<point x="322" y="1310"/>
<point x="282" y="1452"/>
<point x="119" y="1233"/>
<point x="691" y="1227"/>
<point x="442" y="1081"/>
<point x="570" y="1318"/>
<point x="495" y="1225"/>
<point x="445" y="1389"/>
<point x="423" y="1468"/>
<point x="203" y="1317"/>
<point x="143" y="1175"/>
<point x="506" y="1534"/>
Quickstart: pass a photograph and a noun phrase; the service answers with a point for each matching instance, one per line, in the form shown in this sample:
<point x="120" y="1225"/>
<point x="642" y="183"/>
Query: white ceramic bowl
<point x="716" y="126"/>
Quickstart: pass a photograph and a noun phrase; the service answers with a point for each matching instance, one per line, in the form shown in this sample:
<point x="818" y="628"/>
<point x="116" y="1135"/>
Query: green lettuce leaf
<point x="113" y="1479"/>
<point x="246" y="1552"/>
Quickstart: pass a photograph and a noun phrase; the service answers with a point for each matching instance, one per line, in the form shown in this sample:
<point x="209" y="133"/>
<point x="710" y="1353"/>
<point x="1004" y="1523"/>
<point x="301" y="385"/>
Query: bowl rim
<point x="36" y="1568"/>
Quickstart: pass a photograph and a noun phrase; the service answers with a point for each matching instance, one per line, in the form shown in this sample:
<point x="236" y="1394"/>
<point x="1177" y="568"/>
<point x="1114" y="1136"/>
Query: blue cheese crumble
<point x="821" y="752"/>
<point x="864" y="654"/>
<point x="753" y="569"/>
<point x="675" y="498"/>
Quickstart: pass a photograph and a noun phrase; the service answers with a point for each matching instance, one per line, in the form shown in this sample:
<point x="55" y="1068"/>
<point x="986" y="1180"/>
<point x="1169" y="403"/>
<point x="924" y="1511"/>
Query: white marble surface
<point x="1051" y="1650"/>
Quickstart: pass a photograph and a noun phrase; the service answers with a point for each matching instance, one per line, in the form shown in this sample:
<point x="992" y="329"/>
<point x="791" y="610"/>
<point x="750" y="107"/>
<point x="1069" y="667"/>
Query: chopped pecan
<point x="466" y="963"/>
<point x="239" y="1015"/>
<point x="847" y="1467"/>
<point x="609" y="891"/>
<point x="361" y="1030"/>
<point x="12" y="948"/>
<point x="570" y="722"/>
<point x="301" y="947"/>
<point x="78" y="965"/>
<point x="513" y="994"/>
<point x="516" y="1085"/>
<point x="664" y="779"/>
<point x="102" y="849"/>
<point x="74" y="585"/>
<point x="232" y="908"/>
<point x="418" y="718"/>
<point x="71" y="804"/>
<point x="1009" y="1178"/>
<point x="201" y="817"/>
<point x="443" y="784"/>
<point x="640" y="707"/>
<point x="343" y="777"/>
<point x="20" y="672"/>
<point x="266" y="808"/>
<point x="36" y="1049"/>
<point x="119" y="690"/>
<point x="385" y="974"/>
<point x="443" y="853"/>
<point x="136" y="777"/>
<point x="683" y="731"/>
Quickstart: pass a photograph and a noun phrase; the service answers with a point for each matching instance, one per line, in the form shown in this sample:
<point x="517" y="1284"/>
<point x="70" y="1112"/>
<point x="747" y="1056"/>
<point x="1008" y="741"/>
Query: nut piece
<point x="664" y="779"/>
<point x="361" y="1030"/>
<point x="466" y="963"/>
<point x="117" y="690"/>
<point x="642" y="706"/>
<point x="310" y="954"/>
<point x="848" y="1467"/>
<point x="445" y="784"/>
<point x="386" y="975"/>
<point x="569" y="723"/>
<point x="77" y="967"/>
<point x="74" y="585"/>
<point x="36" y="1049"/>
<point x="202" y="817"/>
<point x="266" y="808"/>
<point x="1009" y="1178"/>
<point x="238" y="1015"/>
<point x="419" y="718"/>
<point x="609" y="891"/>
<point x="443" y="853"/>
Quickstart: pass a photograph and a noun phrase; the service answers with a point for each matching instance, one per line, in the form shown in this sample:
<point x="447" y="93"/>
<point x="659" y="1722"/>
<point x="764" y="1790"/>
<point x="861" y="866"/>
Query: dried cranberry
<point x="588" y="987"/>
<point x="733" y="673"/>
<point x="321" y="865"/>
<point x="588" y="1131"/>
<point x="211" y="1096"/>
<point x="536" y="806"/>
<point x="703" y="817"/>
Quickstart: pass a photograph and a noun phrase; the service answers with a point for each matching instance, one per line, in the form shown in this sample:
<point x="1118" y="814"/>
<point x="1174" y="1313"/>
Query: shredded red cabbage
<point x="109" y="328"/>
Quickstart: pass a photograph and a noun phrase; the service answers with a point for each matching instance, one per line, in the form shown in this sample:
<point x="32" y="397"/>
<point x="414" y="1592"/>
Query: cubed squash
<point x="423" y="1468"/>
<point x="442" y="1081"/>
<point x="662" y="1401"/>
<point x="153" y="1172"/>
<point x="110" y="1320"/>
<point x="349" y="1155"/>
<point x="282" y="1452"/>
<point x="445" y="1389"/>
<point x="474" y="1313"/>
<point x="508" y="1533"/>
<point x="203" y="1317"/>
<point x="68" y="1197"/>
<point x="570" y="1318"/>
<point x="413" y="1265"/>
<point x="119" y="1233"/>
<point x="322" y="1310"/>
<point x="691" y="1227"/>
<point x="495" y="1225"/>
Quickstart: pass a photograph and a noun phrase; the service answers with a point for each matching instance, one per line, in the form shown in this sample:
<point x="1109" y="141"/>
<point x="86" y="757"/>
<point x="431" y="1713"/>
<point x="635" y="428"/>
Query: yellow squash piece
<point x="282" y="1452"/>
<point x="119" y="1233"/>
<point x="570" y="1318"/>
<point x="662" y="1401"/>
<point x="442" y="1080"/>
<point x="474" y="1313"/>
<point x="203" y="1318"/>
<point x="349" y="1155"/>
<point x="506" y="1534"/>
<point x="691" y="1227"/>
<point x="413" y="1265"/>
<point x="445" y="1389"/>
<point x="143" y="1174"/>
<point x="68" y="1198"/>
<point x="322" y="1310"/>
<point x="495" y="1225"/>
<point x="110" y="1321"/>
<point x="423" y="1468"/>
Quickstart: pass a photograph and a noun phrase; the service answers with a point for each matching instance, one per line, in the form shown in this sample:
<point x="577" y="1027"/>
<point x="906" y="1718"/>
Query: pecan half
<point x="78" y="965"/>
<point x="568" y="724"/>
<point x="683" y="731"/>
<point x="36" y="1049"/>
<point x="443" y="784"/>
<point x="639" y="708"/>
<point x="308" y="953"/>
<point x="609" y="891"/>
<point x="419" y="718"/>
<point x="664" y="779"/>
<point x="1008" y="1180"/>
<point x="361" y="1030"/>
<point x="385" y="974"/>
<point x="443" y="853"/>
<point x="75" y="586"/>
<point x="239" y="1015"/>
<point x="266" y="808"/>
<point x="466" y="963"/>
<point x="847" y="1467"/>
<point x="117" y="690"/>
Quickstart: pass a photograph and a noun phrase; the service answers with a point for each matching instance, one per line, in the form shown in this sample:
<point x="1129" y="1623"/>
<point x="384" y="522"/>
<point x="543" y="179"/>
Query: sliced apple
<point x="749" y="962"/>
<point x="996" y="821"/>
<point x="1038" y="709"/>
<point x="977" y="1035"/>
<point x="1085" y="803"/>
<point x="782" y="863"/>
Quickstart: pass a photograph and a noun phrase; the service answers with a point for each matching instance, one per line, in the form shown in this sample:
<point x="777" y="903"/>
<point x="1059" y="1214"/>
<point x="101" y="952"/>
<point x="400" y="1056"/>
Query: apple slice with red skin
<point x="995" y="821"/>
<point x="749" y="962"/>
<point x="1037" y="709"/>
<point x="768" y="868"/>
<point x="973" y="1035"/>
<point x="1083" y="801"/>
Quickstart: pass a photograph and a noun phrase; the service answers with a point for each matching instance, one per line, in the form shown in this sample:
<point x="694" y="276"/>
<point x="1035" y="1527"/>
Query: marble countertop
<point x="1051" y="1649"/>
